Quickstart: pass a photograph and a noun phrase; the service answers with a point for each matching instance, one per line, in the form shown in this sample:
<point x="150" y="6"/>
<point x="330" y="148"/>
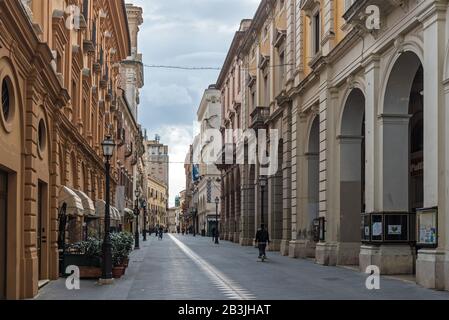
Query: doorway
<point x="3" y="235"/>
<point x="41" y="228"/>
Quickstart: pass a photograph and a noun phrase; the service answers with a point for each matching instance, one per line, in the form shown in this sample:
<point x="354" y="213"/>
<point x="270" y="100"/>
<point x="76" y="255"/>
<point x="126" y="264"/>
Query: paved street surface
<point x="188" y="268"/>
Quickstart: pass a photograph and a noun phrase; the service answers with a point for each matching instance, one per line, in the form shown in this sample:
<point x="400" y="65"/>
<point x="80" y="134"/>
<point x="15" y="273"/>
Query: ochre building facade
<point x="59" y="77"/>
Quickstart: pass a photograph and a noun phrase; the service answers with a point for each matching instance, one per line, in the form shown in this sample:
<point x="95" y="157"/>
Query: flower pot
<point x="126" y="262"/>
<point x="117" y="272"/>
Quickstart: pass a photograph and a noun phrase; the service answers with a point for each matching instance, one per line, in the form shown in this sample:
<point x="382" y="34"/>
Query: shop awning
<point x="88" y="204"/>
<point x="115" y="214"/>
<point x="72" y="200"/>
<point x="129" y="213"/>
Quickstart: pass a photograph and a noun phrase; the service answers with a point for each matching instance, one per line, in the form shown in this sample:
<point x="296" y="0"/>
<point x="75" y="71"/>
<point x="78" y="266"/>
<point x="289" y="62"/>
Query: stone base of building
<point x="431" y="268"/>
<point x="302" y="249"/>
<point x="275" y="245"/>
<point x="326" y="254"/>
<point x="285" y="246"/>
<point x="236" y="237"/>
<point x="247" y="242"/>
<point x="348" y="253"/>
<point x="390" y="259"/>
<point x="342" y="253"/>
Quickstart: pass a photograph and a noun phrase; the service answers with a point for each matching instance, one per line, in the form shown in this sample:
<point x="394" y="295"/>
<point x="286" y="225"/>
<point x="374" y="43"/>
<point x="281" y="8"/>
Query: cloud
<point x="186" y="33"/>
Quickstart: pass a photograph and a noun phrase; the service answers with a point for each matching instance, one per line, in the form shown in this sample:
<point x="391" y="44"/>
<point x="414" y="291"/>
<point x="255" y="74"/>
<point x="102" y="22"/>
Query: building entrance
<point x="3" y="235"/>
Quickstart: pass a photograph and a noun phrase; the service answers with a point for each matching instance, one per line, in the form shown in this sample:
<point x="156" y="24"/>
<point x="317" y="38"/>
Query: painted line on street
<point x="229" y="288"/>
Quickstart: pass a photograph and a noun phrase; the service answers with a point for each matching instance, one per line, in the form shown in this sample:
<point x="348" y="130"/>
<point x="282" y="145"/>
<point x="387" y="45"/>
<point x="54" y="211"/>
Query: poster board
<point x="427" y="227"/>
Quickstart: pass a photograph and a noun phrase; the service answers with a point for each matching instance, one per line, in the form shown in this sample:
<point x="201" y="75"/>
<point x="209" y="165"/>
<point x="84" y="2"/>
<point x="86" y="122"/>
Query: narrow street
<point x="188" y="268"/>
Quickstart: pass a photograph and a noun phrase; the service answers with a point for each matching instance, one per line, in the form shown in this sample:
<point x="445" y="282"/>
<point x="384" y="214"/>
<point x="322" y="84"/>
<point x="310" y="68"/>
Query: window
<point x="281" y="71"/>
<point x="348" y="4"/>
<point x="267" y="90"/>
<point x="6" y="99"/>
<point x="316" y="30"/>
<point x="42" y="136"/>
<point x="86" y="9"/>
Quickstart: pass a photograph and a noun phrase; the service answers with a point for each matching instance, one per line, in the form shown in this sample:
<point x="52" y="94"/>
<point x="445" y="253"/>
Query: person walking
<point x="262" y="240"/>
<point x="161" y="232"/>
<point x="214" y="235"/>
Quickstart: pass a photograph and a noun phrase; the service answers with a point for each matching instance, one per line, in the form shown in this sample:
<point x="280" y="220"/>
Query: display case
<point x="427" y="228"/>
<point x="379" y="228"/>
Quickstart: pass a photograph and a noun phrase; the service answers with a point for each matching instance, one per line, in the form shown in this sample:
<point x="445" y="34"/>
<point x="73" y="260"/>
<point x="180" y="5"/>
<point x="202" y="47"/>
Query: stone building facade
<point x="208" y="185"/>
<point x="358" y="94"/>
<point x="59" y="79"/>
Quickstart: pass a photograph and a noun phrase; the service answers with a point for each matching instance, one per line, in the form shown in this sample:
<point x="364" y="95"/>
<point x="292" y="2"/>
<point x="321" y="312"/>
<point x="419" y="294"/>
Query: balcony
<point x="259" y="116"/>
<point x="88" y="46"/>
<point x="103" y="83"/>
<point x="355" y="13"/>
<point x="96" y="67"/>
<point x="226" y="157"/>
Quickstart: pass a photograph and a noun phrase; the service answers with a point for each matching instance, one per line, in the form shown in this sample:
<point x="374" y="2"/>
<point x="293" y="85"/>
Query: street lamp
<point x="217" y="202"/>
<point x="263" y="184"/>
<point x="194" y="221"/>
<point x="137" y="213"/>
<point x="144" y="206"/>
<point x="108" y="146"/>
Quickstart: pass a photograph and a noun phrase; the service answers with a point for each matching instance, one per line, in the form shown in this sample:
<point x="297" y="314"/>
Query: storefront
<point x="71" y="221"/>
<point x="90" y="219"/>
<point x="116" y="218"/>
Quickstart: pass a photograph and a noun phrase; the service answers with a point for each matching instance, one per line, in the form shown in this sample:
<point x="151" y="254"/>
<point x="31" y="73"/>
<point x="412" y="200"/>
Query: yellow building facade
<point x="157" y="203"/>
<point x="59" y="75"/>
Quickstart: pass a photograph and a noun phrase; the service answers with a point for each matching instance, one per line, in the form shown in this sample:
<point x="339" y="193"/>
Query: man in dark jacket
<point x="262" y="240"/>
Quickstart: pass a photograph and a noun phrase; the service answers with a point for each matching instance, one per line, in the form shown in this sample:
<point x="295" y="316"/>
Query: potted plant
<point x="120" y="252"/>
<point x="86" y="255"/>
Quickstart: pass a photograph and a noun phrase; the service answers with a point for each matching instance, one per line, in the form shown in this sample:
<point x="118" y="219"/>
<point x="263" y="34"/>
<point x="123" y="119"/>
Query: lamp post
<point x="144" y="206"/>
<point x="263" y="184"/>
<point x="108" y="146"/>
<point x="194" y="221"/>
<point x="217" y="202"/>
<point x="137" y="213"/>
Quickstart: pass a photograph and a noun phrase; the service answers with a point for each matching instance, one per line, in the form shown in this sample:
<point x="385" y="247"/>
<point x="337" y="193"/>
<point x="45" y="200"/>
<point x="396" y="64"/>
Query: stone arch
<point x="238" y="202"/>
<point x="73" y="180"/>
<point x="352" y="175"/>
<point x="405" y="78"/>
<point x="275" y="217"/>
<point x="312" y="157"/>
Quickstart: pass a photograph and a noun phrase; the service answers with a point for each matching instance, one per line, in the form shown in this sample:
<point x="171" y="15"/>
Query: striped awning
<point x="72" y="200"/>
<point x="100" y="208"/>
<point x="88" y="204"/>
<point x="115" y="214"/>
<point x="128" y="212"/>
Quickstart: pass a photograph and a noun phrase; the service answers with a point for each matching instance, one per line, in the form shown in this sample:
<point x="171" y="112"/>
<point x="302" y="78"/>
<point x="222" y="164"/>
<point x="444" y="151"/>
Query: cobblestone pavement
<point x="188" y="268"/>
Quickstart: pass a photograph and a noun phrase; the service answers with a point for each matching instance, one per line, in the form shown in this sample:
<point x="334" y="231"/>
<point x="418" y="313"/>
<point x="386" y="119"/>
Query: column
<point x="432" y="268"/>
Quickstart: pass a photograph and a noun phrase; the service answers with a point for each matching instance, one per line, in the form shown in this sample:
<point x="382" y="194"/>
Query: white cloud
<point x="167" y="95"/>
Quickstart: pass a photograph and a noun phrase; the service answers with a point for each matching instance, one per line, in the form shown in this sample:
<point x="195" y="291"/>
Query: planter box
<point x="80" y="261"/>
<point x="90" y="273"/>
<point x="118" y="272"/>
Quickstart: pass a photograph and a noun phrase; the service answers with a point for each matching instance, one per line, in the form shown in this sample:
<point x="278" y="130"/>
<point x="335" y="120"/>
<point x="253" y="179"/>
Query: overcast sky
<point x="192" y="33"/>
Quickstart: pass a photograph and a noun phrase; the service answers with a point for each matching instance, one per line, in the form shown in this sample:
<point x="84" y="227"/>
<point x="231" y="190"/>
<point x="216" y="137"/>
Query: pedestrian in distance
<point x="161" y="232"/>
<point x="214" y="235"/>
<point x="262" y="240"/>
